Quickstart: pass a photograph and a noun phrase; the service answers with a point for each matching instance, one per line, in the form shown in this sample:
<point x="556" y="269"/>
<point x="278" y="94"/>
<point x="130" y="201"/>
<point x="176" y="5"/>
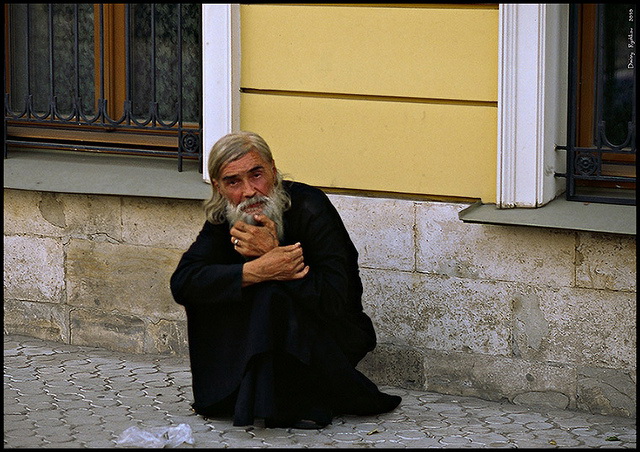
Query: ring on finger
<point x="236" y="241"/>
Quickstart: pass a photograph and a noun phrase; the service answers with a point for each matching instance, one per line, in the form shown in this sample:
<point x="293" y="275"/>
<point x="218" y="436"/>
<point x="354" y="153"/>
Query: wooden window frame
<point x="114" y="92"/>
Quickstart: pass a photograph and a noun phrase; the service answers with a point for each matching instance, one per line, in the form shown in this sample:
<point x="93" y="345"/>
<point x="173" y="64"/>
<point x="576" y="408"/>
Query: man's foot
<point x="303" y="424"/>
<point x="306" y="424"/>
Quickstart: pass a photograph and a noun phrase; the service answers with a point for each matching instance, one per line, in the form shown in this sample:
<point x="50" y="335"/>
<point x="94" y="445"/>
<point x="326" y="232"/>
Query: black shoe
<point x="303" y="424"/>
<point x="306" y="424"/>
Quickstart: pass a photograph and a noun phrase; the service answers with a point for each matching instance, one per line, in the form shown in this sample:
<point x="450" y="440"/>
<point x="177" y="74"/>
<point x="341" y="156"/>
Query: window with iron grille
<point x="601" y="148"/>
<point x="115" y="78"/>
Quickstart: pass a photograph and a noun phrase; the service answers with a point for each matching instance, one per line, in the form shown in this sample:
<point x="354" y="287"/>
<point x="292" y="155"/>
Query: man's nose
<point x="248" y="190"/>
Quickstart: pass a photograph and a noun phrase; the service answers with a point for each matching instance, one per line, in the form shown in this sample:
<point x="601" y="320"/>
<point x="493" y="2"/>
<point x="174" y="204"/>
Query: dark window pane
<point x="165" y="88"/>
<point x="617" y="70"/>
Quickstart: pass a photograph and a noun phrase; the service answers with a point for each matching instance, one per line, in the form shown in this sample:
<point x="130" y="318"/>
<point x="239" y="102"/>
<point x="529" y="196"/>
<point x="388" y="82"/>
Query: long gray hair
<point x="227" y="149"/>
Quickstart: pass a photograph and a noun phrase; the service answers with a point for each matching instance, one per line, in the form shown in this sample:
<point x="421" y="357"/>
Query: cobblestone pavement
<point x="63" y="396"/>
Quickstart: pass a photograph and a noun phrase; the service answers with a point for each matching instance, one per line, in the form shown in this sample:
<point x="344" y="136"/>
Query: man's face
<point x="245" y="178"/>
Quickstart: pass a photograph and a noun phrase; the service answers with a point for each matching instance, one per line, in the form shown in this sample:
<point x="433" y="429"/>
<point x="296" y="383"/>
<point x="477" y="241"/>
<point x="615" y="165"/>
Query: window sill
<point x="87" y="173"/>
<point x="103" y="174"/>
<point x="559" y="214"/>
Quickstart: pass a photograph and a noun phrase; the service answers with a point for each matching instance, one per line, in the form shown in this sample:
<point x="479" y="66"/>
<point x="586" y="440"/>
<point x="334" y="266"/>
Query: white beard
<point x="272" y="207"/>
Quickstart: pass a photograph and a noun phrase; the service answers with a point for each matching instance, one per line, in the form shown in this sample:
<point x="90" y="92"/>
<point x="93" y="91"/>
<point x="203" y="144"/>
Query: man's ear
<point x="216" y="186"/>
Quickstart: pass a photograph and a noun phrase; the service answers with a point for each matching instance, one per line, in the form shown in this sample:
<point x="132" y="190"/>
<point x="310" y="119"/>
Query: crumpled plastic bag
<point x="156" y="437"/>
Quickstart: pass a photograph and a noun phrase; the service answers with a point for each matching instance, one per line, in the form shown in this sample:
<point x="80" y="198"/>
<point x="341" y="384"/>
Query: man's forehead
<point x="251" y="161"/>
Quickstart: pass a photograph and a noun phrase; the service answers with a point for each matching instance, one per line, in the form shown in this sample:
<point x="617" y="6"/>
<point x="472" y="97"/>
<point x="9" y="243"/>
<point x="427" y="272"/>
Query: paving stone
<point x="19" y="430"/>
<point x="413" y="435"/>
<point x="395" y="444"/>
<point x="13" y="416"/>
<point x="83" y="421"/>
<point x="99" y="444"/>
<point x="498" y="420"/>
<point x="103" y="402"/>
<point x="16" y="378"/>
<point x="490" y="437"/>
<point x="523" y="444"/>
<point x="24" y="442"/>
<point x="505" y="429"/>
<point x="57" y="436"/>
<point x="524" y="418"/>
<point x="455" y="441"/>
<point x="89" y="435"/>
<point x="538" y="425"/>
<point x="478" y="429"/>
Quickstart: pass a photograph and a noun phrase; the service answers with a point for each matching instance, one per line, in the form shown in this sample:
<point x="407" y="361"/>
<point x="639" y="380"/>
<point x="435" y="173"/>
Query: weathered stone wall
<point x="530" y="315"/>
<point x="94" y="270"/>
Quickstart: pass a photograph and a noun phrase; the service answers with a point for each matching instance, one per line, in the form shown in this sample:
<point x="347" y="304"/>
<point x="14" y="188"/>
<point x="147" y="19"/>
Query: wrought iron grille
<point x="57" y="77"/>
<point x="601" y="168"/>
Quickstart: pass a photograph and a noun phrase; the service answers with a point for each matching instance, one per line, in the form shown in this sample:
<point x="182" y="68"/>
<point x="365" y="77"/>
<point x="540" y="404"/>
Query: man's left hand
<point x="254" y="241"/>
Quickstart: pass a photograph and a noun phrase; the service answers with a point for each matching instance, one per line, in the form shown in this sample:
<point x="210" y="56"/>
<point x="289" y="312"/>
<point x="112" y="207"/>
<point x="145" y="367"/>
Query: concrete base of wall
<point x="550" y="386"/>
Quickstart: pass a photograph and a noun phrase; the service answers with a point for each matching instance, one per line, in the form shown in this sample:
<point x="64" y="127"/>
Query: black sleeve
<point x="209" y="271"/>
<point x="333" y="284"/>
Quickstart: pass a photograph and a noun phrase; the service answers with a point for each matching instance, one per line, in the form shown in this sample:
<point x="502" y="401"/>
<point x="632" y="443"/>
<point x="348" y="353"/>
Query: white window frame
<point x="532" y="103"/>
<point x="220" y="75"/>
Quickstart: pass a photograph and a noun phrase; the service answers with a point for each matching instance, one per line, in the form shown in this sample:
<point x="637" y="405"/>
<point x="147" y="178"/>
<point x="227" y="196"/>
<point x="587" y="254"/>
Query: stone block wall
<point x="529" y="315"/>
<point x="94" y="270"/>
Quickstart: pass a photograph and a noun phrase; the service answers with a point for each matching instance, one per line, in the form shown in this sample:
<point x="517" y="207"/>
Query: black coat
<point x="318" y="320"/>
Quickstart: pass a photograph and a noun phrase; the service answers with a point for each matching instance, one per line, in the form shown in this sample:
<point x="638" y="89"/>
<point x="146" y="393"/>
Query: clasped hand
<point x="270" y="262"/>
<point x="254" y="240"/>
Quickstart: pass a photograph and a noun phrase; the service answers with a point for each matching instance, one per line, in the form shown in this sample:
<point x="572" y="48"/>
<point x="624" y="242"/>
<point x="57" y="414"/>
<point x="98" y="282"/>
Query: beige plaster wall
<point x="377" y="97"/>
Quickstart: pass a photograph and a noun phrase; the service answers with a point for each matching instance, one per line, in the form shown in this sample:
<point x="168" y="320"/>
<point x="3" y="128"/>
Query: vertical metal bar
<point x="101" y="100"/>
<point x="180" y="131"/>
<point x="51" y="63"/>
<point x="127" y="66"/>
<point x="6" y="90"/>
<point x="76" y="48"/>
<point x="600" y="126"/>
<point x="200" y="91"/>
<point x="27" y="59"/>
<point x="153" y="63"/>
<point x="634" y="103"/>
<point x="573" y="98"/>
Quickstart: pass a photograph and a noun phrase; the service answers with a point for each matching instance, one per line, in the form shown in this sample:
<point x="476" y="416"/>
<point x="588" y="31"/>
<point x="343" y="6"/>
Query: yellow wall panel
<point x="416" y="148"/>
<point x="439" y="53"/>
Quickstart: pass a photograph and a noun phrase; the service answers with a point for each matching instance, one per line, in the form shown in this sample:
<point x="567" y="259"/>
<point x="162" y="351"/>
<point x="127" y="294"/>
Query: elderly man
<point x="272" y="294"/>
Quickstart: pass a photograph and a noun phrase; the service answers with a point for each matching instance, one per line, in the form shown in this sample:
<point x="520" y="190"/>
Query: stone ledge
<point x="102" y="174"/>
<point x="559" y="214"/>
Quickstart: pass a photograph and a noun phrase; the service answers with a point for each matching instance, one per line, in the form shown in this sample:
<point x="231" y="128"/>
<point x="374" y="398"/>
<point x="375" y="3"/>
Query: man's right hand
<point x="253" y="241"/>
<point x="283" y="263"/>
